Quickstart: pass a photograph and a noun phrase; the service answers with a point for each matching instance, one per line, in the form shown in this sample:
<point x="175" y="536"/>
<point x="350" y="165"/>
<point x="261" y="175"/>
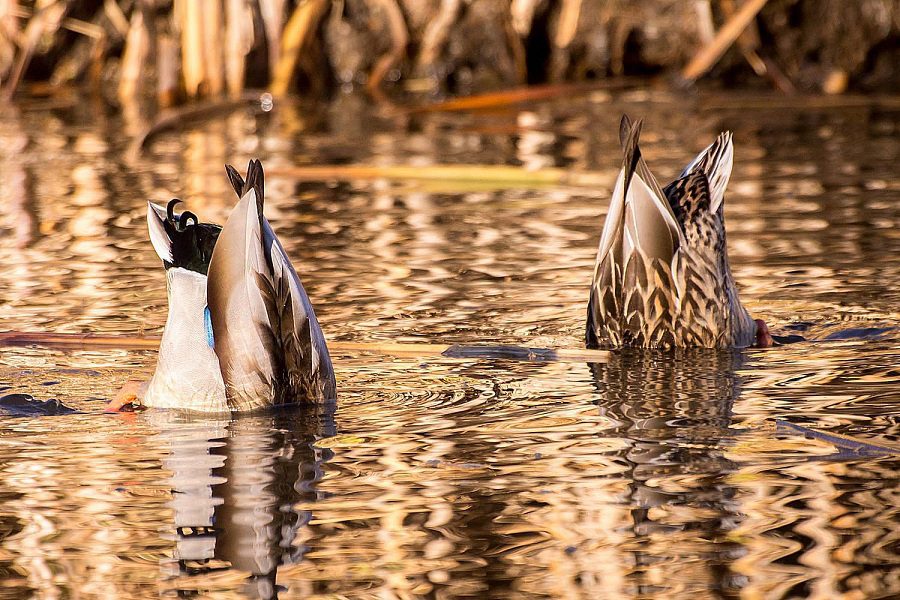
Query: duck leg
<point x="128" y="398"/>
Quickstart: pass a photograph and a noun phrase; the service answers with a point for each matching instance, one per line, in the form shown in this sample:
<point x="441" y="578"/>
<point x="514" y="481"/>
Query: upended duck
<point x="661" y="279"/>
<point x="241" y="333"/>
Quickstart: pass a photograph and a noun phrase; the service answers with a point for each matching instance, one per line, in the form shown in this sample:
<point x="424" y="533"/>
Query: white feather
<point x="158" y="236"/>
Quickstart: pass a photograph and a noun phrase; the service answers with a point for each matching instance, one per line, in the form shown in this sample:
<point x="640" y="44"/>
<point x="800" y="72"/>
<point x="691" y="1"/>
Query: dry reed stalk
<point x="568" y="23"/>
<point x="238" y="41"/>
<point x="705" y="26"/>
<point x="116" y="17"/>
<point x="87" y="55"/>
<point x="79" y="26"/>
<point x="749" y="43"/>
<point x="91" y="341"/>
<point x="137" y="49"/>
<point x="213" y="47"/>
<point x="188" y="17"/>
<point x="9" y="37"/>
<point x="437" y="32"/>
<point x="300" y="28"/>
<point x="521" y="14"/>
<point x="45" y="21"/>
<point x="399" y="40"/>
<point x="166" y="70"/>
<point x="710" y="54"/>
<point x="272" y="12"/>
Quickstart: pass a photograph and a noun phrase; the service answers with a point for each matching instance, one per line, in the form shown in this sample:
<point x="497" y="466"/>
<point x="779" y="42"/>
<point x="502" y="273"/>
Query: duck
<point x="241" y="334"/>
<point x="661" y="277"/>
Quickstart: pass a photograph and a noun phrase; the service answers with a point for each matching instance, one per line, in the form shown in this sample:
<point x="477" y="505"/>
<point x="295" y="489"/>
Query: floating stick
<point x="92" y="341"/>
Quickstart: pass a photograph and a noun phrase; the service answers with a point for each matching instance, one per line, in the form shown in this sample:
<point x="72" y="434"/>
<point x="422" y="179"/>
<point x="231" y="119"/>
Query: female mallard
<point x="241" y="333"/>
<point x="662" y="279"/>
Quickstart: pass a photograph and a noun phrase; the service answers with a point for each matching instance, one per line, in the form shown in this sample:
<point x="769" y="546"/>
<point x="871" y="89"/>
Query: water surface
<point x="648" y="476"/>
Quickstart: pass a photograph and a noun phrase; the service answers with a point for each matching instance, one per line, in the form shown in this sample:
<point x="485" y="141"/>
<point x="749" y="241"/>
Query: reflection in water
<point x="675" y="411"/>
<point x="651" y="476"/>
<point x="234" y="486"/>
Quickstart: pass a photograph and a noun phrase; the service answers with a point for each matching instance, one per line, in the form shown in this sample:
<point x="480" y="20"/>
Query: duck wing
<point x="631" y="300"/>
<point x="270" y="347"/>
<point x="715" y="162"/>
<point x="710" y="313"/>
<point x="700" y="268"/>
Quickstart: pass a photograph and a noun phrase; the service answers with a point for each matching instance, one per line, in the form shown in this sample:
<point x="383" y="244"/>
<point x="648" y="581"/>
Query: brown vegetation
<point x="185" y="49"/>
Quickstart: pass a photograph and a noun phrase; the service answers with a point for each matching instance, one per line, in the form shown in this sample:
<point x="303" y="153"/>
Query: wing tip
<point x="159" y="238"/>
<point x="630" y="146"/>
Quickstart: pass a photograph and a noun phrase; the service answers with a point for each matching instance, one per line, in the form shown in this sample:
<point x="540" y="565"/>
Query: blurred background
<point x="175" y="51"/>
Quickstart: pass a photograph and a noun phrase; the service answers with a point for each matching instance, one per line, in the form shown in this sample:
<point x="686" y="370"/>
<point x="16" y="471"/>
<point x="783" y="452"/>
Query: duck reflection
<point x="675" y="410"/>
<point x="235" y="483"/>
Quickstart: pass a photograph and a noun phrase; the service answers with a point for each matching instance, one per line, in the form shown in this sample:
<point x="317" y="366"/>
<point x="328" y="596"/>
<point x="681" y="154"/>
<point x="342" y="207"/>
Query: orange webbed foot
<point x="128" y="398"/>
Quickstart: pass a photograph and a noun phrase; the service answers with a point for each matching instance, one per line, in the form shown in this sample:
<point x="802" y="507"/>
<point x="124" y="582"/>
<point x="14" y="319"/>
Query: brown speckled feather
<point x="661" y="278"/>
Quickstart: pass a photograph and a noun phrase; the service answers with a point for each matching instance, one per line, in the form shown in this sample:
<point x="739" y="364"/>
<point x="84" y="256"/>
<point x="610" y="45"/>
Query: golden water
<point x="645" y="477"/>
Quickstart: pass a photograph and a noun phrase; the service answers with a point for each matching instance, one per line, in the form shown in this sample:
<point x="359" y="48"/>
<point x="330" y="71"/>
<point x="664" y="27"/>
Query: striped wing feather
<point x="661" y="278"/>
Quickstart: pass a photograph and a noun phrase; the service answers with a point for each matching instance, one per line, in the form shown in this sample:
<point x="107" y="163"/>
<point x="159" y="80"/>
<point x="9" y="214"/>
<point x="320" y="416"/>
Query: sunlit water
<point x="649" y="476"/>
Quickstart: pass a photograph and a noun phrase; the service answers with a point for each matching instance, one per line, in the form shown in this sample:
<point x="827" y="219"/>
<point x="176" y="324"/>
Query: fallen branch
<point x="173" y="118"/>
<point x="710" y="54"/>
<point x="495" y="100"/>
<point x="89" y="341"/>
<point x="844" y="443"/>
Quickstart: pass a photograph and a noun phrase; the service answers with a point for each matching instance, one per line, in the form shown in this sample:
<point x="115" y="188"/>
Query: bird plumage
<point x="662" y="278"/>
<point x="236" y="307"/>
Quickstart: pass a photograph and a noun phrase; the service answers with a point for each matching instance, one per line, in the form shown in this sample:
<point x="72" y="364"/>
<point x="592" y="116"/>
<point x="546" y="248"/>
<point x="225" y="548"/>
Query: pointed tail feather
<point x="255" y="181"/>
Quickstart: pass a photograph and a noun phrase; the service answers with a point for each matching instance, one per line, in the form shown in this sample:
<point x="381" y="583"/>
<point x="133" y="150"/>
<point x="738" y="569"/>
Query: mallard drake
<point x="241" y="333"/>
<point x="661" y="279"/>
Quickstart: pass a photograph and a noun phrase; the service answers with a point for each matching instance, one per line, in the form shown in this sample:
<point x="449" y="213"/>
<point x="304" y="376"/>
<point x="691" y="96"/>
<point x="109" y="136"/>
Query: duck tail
<point x="255" y="181"/>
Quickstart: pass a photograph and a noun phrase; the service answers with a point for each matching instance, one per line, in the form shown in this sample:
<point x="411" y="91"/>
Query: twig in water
<point x="503" y="175"/>
<point x="494" y="100"/>
<point x="495" y="352"/>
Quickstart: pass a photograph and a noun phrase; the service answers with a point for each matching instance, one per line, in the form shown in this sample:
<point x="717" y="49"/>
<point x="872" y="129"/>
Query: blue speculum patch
<point x="207" y="323"/>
